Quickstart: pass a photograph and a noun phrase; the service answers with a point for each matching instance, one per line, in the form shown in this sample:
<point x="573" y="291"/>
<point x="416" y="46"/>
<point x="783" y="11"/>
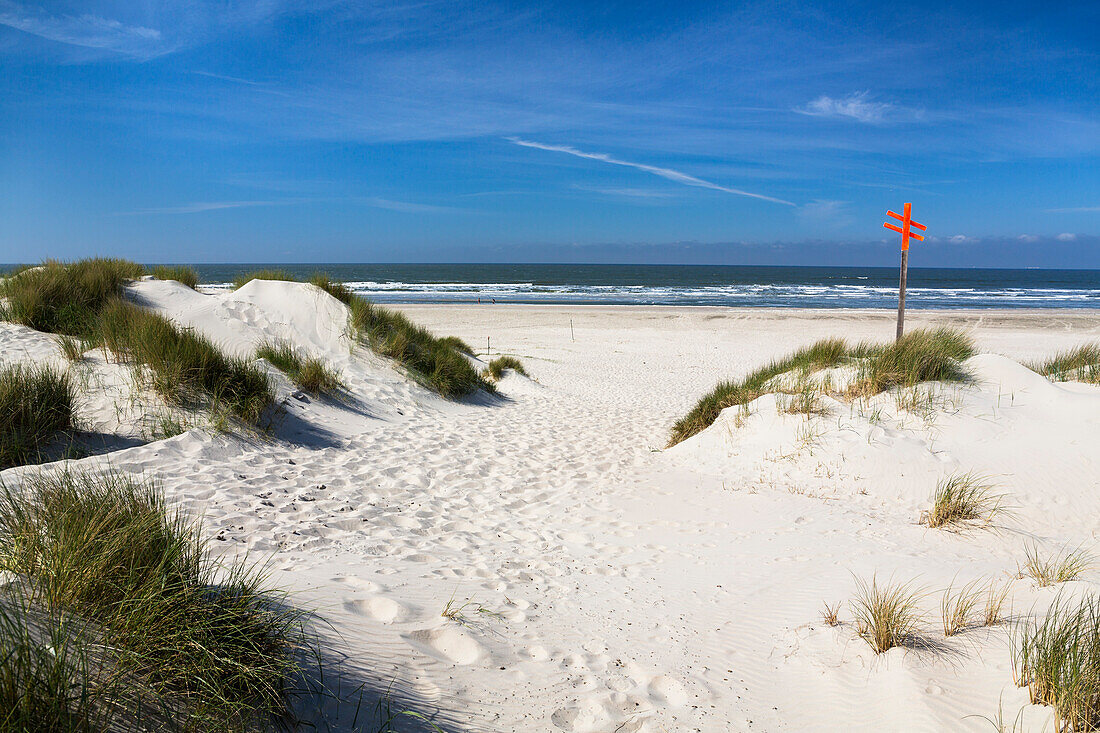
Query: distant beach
<point x="714" y="285"/>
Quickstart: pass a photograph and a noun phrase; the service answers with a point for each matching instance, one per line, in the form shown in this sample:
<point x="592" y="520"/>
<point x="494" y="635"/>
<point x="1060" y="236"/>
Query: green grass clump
<point x="65" y="298"/>
<point x="457" y="344"/>
<point x="72" y="347"/>
<point x="919" y="356"/>
<point x="1058" y="659"/>
<point x="335" y="288"/>
<point x="184" y="365"/>
<point x="963" y="498"/>
<point x="499" y="364"/>
<point x="309" y="373"/>
<point x="821" y="355"/>
<point x="1065" y="566"/>
<point x="179" y="273"/>
<point x="1081" y="364"/>
<point x="36" y="404"/>
<point x="214" y="641"/>
<point x="886" y="616"/>
<point x="242" y="280"/>
<point x="431" y="360"/>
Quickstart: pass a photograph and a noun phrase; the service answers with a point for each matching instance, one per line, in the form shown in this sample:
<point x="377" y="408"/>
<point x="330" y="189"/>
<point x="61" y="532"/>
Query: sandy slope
<point x="632" y="588"/>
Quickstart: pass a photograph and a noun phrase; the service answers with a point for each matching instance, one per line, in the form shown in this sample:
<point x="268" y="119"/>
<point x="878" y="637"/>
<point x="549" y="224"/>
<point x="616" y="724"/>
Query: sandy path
<point x="629" y="588"/>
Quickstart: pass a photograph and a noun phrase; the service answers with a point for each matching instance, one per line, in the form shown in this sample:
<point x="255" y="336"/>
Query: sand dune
<point x="599" y="582"/>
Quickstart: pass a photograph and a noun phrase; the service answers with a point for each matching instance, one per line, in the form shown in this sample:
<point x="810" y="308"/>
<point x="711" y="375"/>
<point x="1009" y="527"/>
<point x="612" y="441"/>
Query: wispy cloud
<point x="375" y="202"/>
<point x="1066" y="237"/>
<point x="670" y="174"/>
<point x="86" y="30"/>
<point x="857" y="106"/>
<point x="406" y="207"/>
<point x="1074" y="210"/>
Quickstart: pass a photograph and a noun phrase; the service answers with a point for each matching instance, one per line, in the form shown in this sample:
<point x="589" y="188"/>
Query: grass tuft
<point x="309" y="373"/>
<point x="886" y="616"/>
<point x="1065" y="566"/>
<point x="72" y="347"/>
<point x="821" y="355"/>
<point x="961" y="498"/>
<point x="65" y="298"/>
<point x="105" y="549"/>
<point x="1081" y="364"/>
<point x="995" y="599"/>
<point x="184" y="365"/>
<point x="958" y="607"/>
<point x="180" y="273"/>
<point x="830" y="614"/>
<point x="918" y="356"/>
<point x="242" y="280"/>
<point x="498" y="365"/>
<point x="36" y="404"/>
<point x="432" y="361"/>
<point x="335" y="288"/>
<point x="1058" y="659"/>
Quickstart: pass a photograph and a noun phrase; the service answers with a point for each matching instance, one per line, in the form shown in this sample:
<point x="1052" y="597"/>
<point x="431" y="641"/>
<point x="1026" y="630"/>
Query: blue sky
<point x="570" y="132"/>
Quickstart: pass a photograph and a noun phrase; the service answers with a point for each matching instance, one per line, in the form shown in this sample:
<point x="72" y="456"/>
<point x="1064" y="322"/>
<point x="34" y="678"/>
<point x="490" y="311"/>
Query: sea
<point x="714" y="285"/>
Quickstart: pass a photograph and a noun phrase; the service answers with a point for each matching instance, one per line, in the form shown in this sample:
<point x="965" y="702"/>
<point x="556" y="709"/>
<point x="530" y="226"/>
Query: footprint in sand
<point x="381" y="609"/>
<point x="447" y="644"/>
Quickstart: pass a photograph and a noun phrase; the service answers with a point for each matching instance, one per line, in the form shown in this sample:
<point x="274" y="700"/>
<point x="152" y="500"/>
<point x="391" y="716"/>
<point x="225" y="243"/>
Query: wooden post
<point x="901" y="292"/>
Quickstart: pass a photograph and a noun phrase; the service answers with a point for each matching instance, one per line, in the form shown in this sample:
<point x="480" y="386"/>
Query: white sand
<point x="638" y="589"/>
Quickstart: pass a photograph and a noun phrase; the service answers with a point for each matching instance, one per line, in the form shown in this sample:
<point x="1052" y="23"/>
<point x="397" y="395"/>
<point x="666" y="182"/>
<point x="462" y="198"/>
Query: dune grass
<point x="919" y="356"/>
<point x="886" y="616"/>
<point x="437" y="363"/>
<point x="958" y="608"/>
<point x="36" y="405"/>
<point x="65" y="298"/>
<point x="185" y="366"/>
<point x="242" y="280"/>
<point x="72" y="347"/>
<point x="963" y="498"/>
<point x="106" y="551"/>
<point x="457" y="344"/>
<point x="1067" y="565"/>
<point x="432" y="361"/>
<point x="310" y="373"/>
<point x="1081" y="364"/>
<point x="180" y="273"/>
<point x="498" y="365"/>
<point x="1058" y="659"/>
<point x="335" y="288"/>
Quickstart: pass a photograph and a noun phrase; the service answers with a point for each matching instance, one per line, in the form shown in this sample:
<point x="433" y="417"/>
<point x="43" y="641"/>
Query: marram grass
<point x="180" y="273"/>
<point x="214" y="642"/>
<point x="65" y="297"/>
<point x="1080" y="364"/>
<point x="919" y="356"/>
<point x="498" y="365"/>
<point x="36" y="405"/>
<point x="308" y="372"/>
<point x="963" y="498"/>
<point x="1057" y="657"/>
<point x="184" y="366"/>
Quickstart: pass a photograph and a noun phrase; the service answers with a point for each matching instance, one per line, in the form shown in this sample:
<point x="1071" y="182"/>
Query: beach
<point x="541" y="561"/>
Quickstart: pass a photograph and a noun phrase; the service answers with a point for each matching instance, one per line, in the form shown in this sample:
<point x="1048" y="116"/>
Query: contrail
<point x="668" y="173"/>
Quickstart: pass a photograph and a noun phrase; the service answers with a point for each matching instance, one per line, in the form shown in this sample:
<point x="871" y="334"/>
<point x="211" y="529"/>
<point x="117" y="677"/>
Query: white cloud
<point x="1066" y="237"/>
<point x="1028" y="238"/>
<point x="856" y="106"/>
<point x="962" y="239"/>
<point x="86" y="30"/>
<point x="201" y="206"/>
<point x="670" y="174"/>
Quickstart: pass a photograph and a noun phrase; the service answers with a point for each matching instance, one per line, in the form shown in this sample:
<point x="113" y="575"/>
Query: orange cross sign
<point x="903" y="230"/>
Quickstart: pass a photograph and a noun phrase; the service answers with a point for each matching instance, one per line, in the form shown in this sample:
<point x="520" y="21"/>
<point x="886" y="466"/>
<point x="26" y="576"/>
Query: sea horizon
<point x="694" y="285"/>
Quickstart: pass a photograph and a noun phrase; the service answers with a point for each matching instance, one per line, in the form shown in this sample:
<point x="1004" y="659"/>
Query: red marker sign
<point x="907" y="224"/>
